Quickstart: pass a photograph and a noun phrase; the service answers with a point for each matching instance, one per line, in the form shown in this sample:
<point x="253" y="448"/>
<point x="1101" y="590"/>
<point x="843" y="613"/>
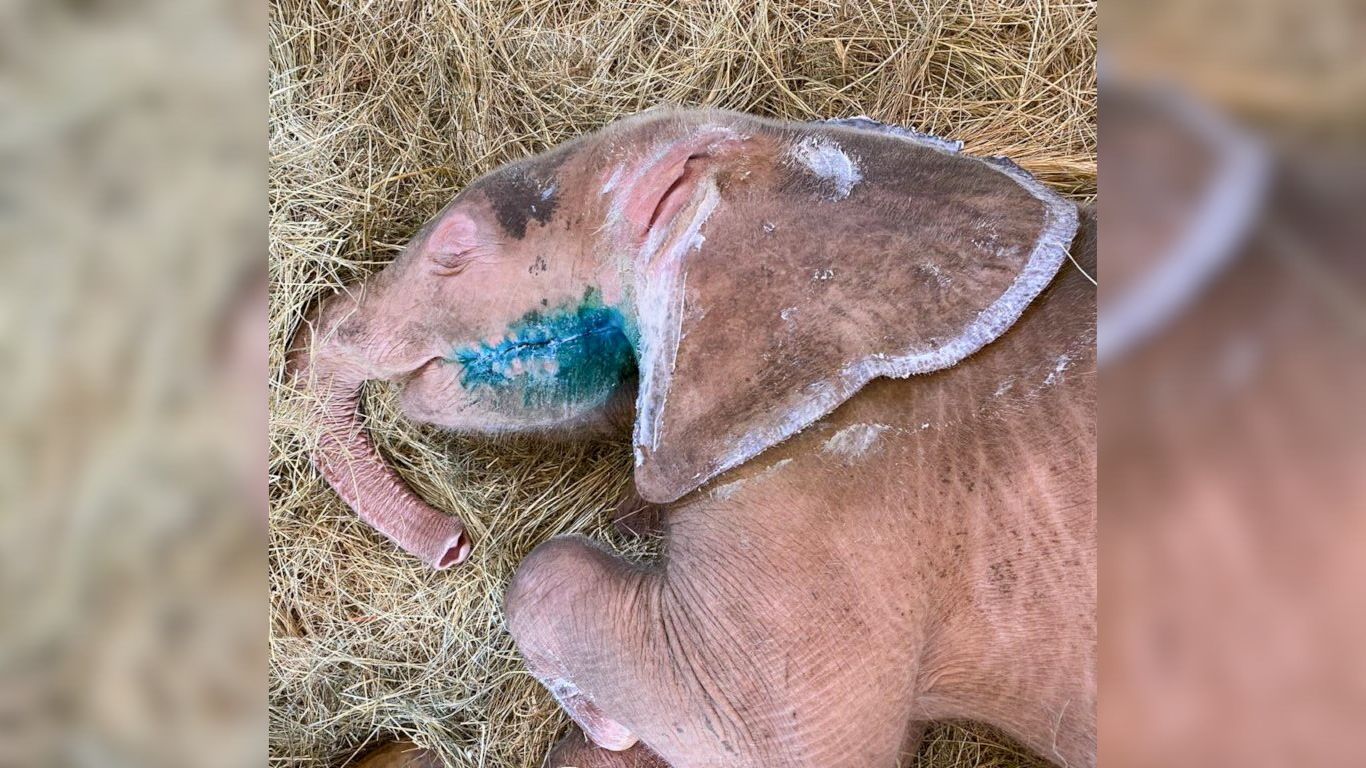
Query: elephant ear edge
<point x="818" y="258"/>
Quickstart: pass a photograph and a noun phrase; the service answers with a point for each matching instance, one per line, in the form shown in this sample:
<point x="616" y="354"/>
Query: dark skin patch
<point x="1003" y="576"/>
<point x="524" y="192"/>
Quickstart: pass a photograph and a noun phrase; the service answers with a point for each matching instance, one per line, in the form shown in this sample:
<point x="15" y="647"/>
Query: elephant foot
<point x="577" y="751"/>
<point x="601" y="729"/>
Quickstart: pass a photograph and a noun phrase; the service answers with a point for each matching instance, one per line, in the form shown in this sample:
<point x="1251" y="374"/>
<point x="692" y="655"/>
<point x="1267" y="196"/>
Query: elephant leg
<point x="648" y="657"/>
<point x="571" y="609"/>
<point x="576" y="750"/>
<point x="624" y="658"/>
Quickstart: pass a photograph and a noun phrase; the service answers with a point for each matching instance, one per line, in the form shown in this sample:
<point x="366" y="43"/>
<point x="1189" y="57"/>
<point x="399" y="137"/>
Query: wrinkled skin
<point x="822" y="603"/>
<point x="849" y="555"/>
<point x="752" y="275"/>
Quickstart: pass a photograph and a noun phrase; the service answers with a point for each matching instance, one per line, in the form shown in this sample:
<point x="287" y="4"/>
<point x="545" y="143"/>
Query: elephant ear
<point x="786" y="265"/>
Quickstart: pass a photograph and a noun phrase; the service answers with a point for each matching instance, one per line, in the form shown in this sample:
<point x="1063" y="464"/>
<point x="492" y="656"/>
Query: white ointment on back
<point x="854" y="440"/>
<point x="825" y="159"/>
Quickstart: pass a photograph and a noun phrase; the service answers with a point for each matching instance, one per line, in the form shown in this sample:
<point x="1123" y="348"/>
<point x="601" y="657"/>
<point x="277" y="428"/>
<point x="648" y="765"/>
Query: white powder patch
<point x="548" y="191"/>
<point x="1004" y="387"/>
<point x="726" y="491"/>
<point x="854" y="440"/>
<point x="824" y="158"/>
<point x="613" y="180"/>
<point x="660" y="288"/>
<point x="936" y="273"/>
<point x="768" y="227"/>
<point x="988" y="241"/>
<point x="1064" y="361"/>
<point x="563" y="690"/>
<point x="823" y="274"/>
<point x="786" y="314"/>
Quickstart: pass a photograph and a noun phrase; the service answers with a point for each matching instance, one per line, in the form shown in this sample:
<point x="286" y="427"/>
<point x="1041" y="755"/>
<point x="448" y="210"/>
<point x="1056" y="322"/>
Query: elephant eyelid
<point x="453" y="262"/>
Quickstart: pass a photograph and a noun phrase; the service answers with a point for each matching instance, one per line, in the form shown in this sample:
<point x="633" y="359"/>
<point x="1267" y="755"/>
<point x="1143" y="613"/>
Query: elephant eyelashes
<point x="451" y="264"/>
<point x="454" y="244"/>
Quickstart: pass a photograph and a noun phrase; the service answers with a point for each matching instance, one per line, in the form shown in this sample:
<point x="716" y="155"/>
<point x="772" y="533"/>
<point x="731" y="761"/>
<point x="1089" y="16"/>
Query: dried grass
<point x="379" y="113"/>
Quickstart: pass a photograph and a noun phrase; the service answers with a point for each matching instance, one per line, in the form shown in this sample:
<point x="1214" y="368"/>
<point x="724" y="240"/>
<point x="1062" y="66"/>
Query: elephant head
<point x="749" y="275"/>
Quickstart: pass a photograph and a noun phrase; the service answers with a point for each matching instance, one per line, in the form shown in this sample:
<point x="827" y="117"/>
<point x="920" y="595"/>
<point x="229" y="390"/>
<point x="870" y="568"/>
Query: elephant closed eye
<point x="747" y="275"/>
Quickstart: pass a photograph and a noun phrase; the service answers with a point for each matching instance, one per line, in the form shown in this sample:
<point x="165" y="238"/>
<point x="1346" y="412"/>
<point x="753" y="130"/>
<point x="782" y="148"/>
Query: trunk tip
<point x="455" y="552"/>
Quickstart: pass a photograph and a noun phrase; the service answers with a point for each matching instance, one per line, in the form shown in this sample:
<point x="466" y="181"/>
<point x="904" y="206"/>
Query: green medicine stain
<point x="574" y="354"/>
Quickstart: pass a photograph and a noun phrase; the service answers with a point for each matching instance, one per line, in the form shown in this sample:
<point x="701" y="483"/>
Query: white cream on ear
<point x="1047" y="256"/>
<point x="660" y="280"/>
<point x="854" y="440"/>
<point x="828" y="161"/>
<point x="659" y="312"/>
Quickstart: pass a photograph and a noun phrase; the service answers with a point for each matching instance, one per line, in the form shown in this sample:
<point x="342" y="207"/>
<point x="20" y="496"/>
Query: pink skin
<point x="1235" y="501"/>
<point x="873" y="553"/>
<point x="465" y="279"/>
<point x="819" y="606"/>
<point x="576" y="750"/>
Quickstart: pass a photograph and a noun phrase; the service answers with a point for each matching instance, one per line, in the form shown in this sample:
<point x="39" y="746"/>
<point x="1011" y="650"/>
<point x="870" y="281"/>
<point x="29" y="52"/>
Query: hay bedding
<point x="379" y="113"/>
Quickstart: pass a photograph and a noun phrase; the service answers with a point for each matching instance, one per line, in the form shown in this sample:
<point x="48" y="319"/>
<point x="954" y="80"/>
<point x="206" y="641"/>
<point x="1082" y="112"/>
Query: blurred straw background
<point x="379" y="114"/>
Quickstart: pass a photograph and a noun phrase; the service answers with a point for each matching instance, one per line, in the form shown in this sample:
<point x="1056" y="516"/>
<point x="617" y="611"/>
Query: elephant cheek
<point x="434" y="396"/>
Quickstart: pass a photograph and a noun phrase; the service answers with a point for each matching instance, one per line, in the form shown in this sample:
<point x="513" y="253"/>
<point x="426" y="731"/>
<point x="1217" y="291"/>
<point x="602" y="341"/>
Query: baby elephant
<point x="852" y="550"/>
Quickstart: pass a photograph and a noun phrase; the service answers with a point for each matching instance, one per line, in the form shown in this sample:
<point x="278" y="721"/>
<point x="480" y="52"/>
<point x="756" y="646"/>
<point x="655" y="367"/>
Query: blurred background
<point x="135" y="609"/>
<point x="132" y="331"/>
<point x="1233" y="383"/>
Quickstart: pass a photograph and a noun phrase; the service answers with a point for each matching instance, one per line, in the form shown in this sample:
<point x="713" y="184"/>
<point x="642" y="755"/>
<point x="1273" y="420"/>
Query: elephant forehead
<point x="527" y="191"/>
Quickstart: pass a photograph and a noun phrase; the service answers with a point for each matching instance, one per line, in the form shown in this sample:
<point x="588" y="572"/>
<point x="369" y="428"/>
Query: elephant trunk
<point x="324" y="364"/>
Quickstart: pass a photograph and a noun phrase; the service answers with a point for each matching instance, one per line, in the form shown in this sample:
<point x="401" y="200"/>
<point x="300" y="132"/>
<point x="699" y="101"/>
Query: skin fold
<point x="862" y="375"/>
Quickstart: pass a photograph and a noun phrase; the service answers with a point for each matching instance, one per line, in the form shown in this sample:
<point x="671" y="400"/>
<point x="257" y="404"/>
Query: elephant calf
<point x="852" y="550"/>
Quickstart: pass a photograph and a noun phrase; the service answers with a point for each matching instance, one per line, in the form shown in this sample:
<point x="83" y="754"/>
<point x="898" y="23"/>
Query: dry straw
<point x="379" y="113"/>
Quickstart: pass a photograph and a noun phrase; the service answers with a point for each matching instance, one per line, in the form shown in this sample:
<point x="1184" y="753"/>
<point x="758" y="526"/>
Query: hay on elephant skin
<point x="379" y="114"/>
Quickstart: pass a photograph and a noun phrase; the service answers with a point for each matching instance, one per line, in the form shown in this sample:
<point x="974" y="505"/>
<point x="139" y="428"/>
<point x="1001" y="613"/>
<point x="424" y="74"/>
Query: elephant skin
<point x="751" y="275"/>
<point x="863" y="381"/>
<point x="926" y="552"/>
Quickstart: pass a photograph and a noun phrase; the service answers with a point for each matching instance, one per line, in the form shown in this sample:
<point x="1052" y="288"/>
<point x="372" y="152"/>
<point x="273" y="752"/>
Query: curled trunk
<point x="333" y="373"/>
